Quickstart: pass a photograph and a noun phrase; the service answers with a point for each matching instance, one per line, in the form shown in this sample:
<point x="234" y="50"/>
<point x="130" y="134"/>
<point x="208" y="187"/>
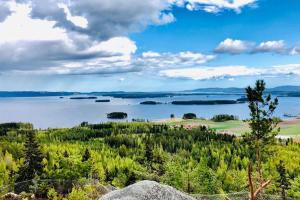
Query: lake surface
<point x="54" y="112"/>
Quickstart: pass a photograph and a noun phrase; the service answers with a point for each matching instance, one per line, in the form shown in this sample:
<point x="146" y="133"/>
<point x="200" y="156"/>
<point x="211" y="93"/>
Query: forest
<point x="196" y="161"/>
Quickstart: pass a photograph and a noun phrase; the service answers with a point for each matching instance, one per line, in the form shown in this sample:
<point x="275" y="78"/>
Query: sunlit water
<point x="52" y="112"/>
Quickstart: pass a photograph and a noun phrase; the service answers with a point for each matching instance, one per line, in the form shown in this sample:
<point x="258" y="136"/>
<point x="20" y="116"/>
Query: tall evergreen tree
<point x="148" y="150"/>
<point x="262" y="123"/>
<point x="32" y="166"/>
<point x="86" y="156"/>
<point x="283" y="182"/>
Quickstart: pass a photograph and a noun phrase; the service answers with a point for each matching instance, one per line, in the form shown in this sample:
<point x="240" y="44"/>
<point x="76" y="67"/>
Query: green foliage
<point x="223" y="118"/>
<point x="117" y="115"/>
<point x="282" y="182"/>
<point x="32" y="165"/>
<point x="262" y="123"/>
<point x="195" y="161"/>
<point x="189" y="116"/>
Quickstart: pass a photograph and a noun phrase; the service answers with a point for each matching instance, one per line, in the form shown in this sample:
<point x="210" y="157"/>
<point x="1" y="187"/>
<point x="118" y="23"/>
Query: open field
<point x="289" y="128"/>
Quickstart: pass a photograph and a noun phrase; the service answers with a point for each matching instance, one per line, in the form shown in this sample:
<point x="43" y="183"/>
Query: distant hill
<point x="33" y="93"/>
<point x="288" y="90"/>
<point x="230" y="90"/>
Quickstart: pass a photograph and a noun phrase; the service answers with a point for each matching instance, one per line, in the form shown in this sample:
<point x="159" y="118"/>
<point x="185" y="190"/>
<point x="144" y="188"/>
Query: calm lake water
<point x="53" y="112"/>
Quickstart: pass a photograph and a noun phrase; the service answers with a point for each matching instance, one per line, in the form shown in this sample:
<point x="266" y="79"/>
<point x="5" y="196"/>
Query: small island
<point x="79" y="98"/>
<point x="150" y="103"/>
<point x="189" y="116"/>
<point x="242" y="100"/>
<point x="204" y="102"/>
<point x="102" y="100"/>
<point x="117" y="115"/>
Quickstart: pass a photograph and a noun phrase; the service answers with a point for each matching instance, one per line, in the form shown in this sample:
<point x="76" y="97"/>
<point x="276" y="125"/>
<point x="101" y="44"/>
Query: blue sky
<point x="150" y="45"/>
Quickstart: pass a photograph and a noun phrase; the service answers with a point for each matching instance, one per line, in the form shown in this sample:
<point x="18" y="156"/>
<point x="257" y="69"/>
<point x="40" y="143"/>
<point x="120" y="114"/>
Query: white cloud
<point x="290" y="69"/>
<point x="203" y="73"/>
<point x="4" y="11"/>
<point x="76" y="20"/>
<point x="150" y="54"/>
<point x="20" y="26"/>
<point x="271" y="46"/>
<point x="215" y="6"/>
<point x="295" y="50"/>
<point x="172" y="60"/>
<point x="233" y="46"/>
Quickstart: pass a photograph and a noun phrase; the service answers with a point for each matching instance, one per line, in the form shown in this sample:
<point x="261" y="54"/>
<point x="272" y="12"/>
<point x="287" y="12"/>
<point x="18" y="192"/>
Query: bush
<point x="223" y="118"/>
<point x="189" y="116"/>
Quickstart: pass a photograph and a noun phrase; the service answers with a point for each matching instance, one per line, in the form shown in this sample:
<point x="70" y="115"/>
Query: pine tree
<point x="86" y="156"/>
<point x="263" y="126"/>
<point x="283" y="180"/>
<point x="66" y="154"/>
<point x="148" y="151"/>
<point x="32" y="166"/>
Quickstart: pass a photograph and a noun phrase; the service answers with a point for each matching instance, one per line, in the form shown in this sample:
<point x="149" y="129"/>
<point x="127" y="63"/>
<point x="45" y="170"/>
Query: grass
<point x="291" y="130"/>
<point x="236" y="127"/>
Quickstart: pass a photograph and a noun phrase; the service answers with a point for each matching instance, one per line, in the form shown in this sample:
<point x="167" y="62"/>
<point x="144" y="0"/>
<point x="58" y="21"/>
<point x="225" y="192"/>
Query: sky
<point x="149" y="45"/>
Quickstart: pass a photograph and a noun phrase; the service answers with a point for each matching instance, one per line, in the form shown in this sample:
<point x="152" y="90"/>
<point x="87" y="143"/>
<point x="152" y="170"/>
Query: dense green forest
<point x="119" y="154"/>
<point x="195" y="161"/>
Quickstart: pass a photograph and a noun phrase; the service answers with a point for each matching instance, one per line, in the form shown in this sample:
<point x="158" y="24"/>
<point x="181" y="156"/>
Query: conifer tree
<point x="283" y="182"/>
<point x="148" y="150"/>
<point x="32" y="166"/>
<point x="263" y="125"/>
<point x="86" y="156"/>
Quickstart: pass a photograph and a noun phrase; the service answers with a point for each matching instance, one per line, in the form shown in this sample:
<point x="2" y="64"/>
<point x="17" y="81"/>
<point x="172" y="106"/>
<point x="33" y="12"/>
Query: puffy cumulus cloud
<point x="295" y="50"/>
<point x="172" y="60"/>
<point x="4" y="10"/>
<point x="28" y="44"/>
<point x="110" y="18"/>
<point x="271" y="46"/>
<point x="103" y="19"/>
<point x="233" y="46"/>
<point x="32" y="55"/>
<point x="215" y="6"/>
<point x="204" y="73"/>
<point x="87" y="36"/>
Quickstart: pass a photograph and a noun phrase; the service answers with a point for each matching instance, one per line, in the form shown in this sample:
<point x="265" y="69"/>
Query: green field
<point x="236" y="127"/>
<point x="291" y="130"/>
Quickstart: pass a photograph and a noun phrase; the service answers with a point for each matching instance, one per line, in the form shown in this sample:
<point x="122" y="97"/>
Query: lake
<point x="54" y="112"/>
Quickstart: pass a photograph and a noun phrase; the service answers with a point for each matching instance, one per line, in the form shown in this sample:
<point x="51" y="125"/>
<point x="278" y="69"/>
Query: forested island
<point x="204" y="102"/>
<point x="117" y="115"/>
<point x="150" y="103"/>
<point x="80" y="98"/>
<point x="102" y="100"/>
<point x="75" y="163"/>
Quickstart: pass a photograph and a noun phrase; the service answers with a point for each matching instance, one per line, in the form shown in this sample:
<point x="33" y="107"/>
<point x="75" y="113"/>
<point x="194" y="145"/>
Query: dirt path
<point x="289" y="122"/>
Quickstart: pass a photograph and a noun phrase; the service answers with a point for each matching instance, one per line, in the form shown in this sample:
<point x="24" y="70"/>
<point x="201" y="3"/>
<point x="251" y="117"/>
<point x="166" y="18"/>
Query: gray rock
<point x="147" y="190"/>
<point x="11" y="196"/>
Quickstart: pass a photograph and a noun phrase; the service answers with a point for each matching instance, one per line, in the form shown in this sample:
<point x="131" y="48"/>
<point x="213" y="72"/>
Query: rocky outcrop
<point x="147" y="190"/>
<point x="11" y="196"/>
